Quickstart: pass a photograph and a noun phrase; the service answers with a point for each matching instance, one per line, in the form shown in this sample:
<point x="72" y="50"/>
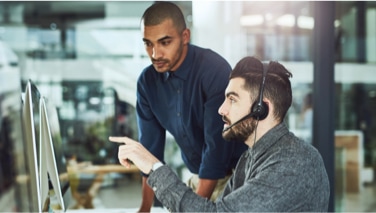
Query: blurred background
<point x="85" y="57"/>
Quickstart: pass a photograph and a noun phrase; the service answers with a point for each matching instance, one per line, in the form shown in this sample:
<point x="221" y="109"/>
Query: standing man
<point x="180" y="93"/>
<point x="278" y="173"/>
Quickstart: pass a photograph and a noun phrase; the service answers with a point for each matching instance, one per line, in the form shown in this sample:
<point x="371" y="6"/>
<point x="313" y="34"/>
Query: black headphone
<point x="259" y="108"/>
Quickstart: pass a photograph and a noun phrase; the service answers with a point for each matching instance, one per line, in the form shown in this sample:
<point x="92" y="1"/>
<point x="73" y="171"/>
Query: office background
<point x="85" y="57"/>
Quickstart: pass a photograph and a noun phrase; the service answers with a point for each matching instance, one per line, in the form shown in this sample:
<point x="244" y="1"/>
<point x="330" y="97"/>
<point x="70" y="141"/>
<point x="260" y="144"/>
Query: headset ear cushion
<point x="260" y="110"/>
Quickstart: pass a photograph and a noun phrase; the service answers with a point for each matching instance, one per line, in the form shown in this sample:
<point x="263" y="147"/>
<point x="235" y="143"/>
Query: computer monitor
<point x="53" y="161"/>
<point x="30" y="117"/>
<point x="15" y="172"/>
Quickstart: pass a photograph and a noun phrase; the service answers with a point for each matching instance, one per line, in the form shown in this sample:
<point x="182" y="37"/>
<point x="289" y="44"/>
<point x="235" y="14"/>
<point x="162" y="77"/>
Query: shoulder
<point x="209" y="57"/>
<point x="210" y="64"/>
<point x="292" y="148"/>
<point x="305" y="151"/>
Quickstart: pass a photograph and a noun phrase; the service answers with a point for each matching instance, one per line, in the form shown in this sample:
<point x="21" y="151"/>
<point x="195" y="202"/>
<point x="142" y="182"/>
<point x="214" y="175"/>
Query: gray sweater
<point x="281" y="173"/>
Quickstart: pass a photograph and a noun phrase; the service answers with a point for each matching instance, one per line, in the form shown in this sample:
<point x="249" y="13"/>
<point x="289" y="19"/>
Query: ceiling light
<point x="251" y="20"/>
<point x="305" y="22"/>
<point x="287" y="20"/>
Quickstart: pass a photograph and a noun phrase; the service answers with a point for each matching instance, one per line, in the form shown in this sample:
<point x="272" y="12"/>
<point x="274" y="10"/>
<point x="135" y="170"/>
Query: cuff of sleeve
<point x="156" y="166"/>
<point x="164" y="182"/>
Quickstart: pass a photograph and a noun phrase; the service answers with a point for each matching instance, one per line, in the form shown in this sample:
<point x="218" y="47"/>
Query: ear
<point x="186" y="36"/>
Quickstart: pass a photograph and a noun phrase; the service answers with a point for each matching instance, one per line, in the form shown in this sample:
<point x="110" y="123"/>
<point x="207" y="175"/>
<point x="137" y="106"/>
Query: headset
<point x="259" y="109"/>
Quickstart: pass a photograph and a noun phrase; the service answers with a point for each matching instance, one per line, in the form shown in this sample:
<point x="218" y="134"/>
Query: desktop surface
<point x="115" y="210"/>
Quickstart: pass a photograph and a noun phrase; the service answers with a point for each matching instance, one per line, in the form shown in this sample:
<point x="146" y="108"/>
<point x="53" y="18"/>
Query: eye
<point x="232" y="100"/>
<point x="166" y="42"/>
<point x="147" y="43"/>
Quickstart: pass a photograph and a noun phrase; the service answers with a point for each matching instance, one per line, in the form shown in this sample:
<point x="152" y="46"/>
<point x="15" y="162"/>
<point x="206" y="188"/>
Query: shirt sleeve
<point x="216" y="153"/>
<point x="151" y="134"/>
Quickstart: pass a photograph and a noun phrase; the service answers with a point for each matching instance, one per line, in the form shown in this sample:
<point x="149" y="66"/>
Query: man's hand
<point x="135" y="152"/>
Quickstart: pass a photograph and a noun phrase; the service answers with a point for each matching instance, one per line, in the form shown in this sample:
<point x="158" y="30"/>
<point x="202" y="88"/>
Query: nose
<point x="156" y="53"/>
<point x="222" y="109"/>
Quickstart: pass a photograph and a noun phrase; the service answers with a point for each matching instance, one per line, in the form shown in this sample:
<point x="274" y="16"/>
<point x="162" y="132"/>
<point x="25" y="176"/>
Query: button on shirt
<point x="185" y="103"/>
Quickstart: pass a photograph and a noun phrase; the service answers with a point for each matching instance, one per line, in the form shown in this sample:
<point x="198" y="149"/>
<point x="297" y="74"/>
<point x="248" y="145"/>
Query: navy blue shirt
<point x="185" y="103"/>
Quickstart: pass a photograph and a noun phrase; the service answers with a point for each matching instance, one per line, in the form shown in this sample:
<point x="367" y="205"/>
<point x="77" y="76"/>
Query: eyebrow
<point x="159" y="40"/>
<point x="232" y="93"/>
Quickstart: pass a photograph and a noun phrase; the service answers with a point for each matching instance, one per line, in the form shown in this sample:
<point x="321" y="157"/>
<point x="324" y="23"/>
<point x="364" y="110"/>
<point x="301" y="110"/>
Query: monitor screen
<point x="53" y="160"/>
<point x="30" y="118"/>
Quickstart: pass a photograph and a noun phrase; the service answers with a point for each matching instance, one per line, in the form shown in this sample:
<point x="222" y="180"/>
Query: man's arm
<point x="147" y="196"/>
<point x="217" y="153"/>
<point x="151" y="134"/>
<point x="206" y="187"/>
<point x="134" y="151"/>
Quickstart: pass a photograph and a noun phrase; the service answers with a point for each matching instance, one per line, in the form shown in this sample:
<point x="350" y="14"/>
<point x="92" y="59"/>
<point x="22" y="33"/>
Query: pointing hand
<point x="134" y="151"/>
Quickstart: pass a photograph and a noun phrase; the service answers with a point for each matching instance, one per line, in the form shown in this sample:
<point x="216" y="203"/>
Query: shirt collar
<point x="166" y="75"/>
<point x="183" y="71"/>
<point x="270" y="138"/>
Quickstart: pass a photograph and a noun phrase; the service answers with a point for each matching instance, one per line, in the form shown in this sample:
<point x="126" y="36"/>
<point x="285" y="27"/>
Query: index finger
<point x="117" y="139"/>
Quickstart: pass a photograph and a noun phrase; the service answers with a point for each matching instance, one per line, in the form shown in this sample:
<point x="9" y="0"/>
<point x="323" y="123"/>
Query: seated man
<point x="278" y="173"/>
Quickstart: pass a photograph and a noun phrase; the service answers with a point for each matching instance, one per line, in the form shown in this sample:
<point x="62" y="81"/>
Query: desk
<point x="116" y="210"/>
<point x="102" y="169"/>
<point x="85" y="189"/>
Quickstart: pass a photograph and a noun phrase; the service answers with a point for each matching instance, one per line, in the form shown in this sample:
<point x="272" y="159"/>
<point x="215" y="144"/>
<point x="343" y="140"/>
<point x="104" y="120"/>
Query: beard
<point x="170" y="64"/>
<point x="240" y="131"/>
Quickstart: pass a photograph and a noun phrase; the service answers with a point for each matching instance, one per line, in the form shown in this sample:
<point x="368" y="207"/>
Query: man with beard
<point x="278" y="173"/>
<point x="180" y="93"/>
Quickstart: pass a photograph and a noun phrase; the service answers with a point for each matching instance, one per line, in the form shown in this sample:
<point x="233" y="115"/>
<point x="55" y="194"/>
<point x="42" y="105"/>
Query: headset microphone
<point x="240" y="120"/>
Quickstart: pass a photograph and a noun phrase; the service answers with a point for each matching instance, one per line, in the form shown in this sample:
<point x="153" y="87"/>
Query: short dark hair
<point x="162" y="10"/>
<point x="277" y="86"/>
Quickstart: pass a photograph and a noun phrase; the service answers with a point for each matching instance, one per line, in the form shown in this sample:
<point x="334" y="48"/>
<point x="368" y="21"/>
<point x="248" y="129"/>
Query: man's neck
<point x="262" y="128"/>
